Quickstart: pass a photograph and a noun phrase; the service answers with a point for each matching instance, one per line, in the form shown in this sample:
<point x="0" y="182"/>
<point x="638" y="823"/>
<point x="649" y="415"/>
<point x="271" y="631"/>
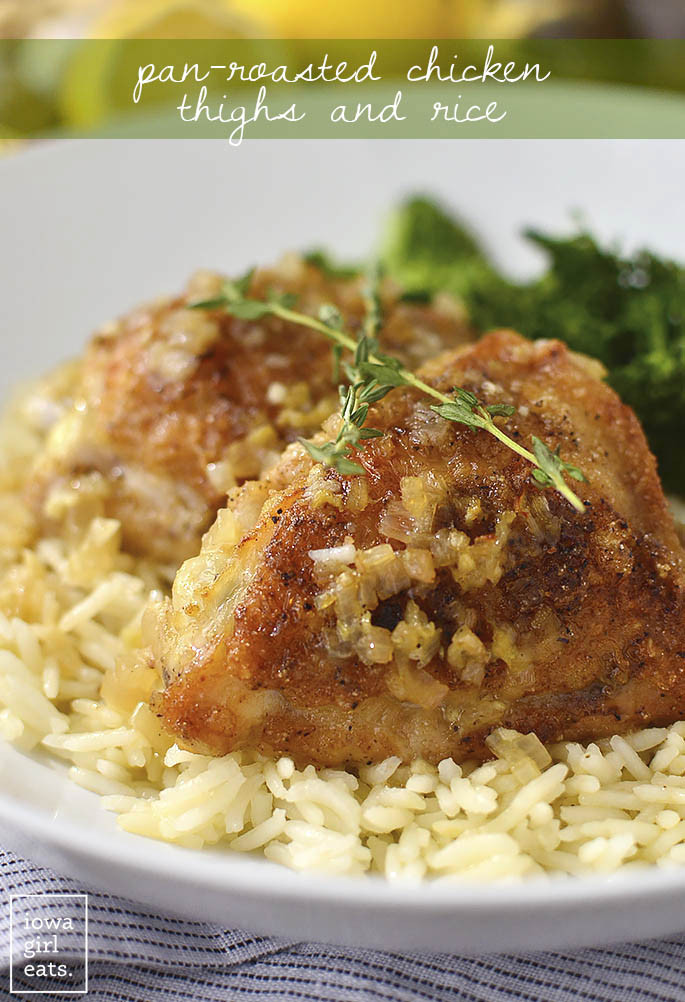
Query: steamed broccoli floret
<point x="427" y="251"/>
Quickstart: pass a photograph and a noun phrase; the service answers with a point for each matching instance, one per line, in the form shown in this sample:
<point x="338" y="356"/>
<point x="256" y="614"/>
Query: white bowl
<point x="88" y="229"/>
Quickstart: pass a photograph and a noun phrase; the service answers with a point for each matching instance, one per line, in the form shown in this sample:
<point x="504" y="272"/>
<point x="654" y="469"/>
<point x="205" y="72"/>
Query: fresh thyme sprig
<point x="548" y="466"/>
<point x="351" y="436"/>
<point x="371" y="375"/>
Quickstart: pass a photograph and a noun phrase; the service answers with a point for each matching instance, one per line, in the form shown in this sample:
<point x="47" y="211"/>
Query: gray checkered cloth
<point x="137" y="956"/>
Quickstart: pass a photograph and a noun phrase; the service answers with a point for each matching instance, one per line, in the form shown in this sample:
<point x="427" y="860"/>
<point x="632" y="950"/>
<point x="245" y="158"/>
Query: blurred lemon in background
<point x="389" y="19"/>
<point x="353" y="18"/>
<point x="306" y="19"/>
<point x="317" y="19"/>
<point x="173" y="19"/>
<point x="97" y="81"/>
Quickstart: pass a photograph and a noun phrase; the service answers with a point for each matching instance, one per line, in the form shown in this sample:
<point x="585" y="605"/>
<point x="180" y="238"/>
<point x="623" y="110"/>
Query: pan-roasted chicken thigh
<point x="172" y="406"/>
<point x="410" y="612"/>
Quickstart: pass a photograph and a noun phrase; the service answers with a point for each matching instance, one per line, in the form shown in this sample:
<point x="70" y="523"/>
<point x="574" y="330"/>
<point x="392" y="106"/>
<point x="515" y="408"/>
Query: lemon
<point x="173" y="19"/>
<point x="389" y="19"/>
<point x="96" y="82"/>
<point x="352" y="19"/>
<point x="504" y="19"/>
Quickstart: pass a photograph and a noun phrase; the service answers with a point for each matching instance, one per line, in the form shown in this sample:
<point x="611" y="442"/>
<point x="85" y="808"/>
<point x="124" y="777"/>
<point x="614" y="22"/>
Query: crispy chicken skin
<point x="174" y="406"/>
<point x="342" y="620"/>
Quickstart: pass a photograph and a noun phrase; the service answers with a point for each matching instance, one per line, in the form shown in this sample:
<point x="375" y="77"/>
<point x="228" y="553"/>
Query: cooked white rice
<point x="70" y="609"/>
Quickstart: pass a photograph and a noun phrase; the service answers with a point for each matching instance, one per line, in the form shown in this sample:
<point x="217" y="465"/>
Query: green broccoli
<point x="427" y="251"/>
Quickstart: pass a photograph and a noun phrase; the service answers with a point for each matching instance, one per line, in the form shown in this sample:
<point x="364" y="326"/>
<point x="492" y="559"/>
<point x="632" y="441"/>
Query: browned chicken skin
<point x="462" y="597"/>
<point x="174" y="406"/>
